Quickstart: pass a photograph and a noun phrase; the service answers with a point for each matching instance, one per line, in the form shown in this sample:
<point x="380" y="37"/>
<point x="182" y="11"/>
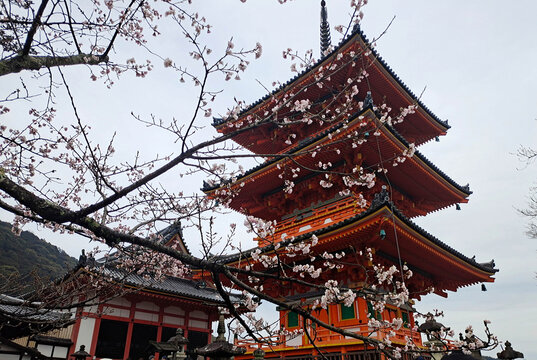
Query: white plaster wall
<point x="91" y="309"/>
<point x="199" y="314"/>
<point x="85" y="333"/>
<point x="61" y="352"/>
<point x="354" y="329"/>
<point x="293" y="340"/>
<point x="45" y="349"/>
<point x="145" y="316"/>
<point x="198" y="324"/>
<point x="174" y="310"/>
<point x="107" y="310"/>
<point x="173" y="320"/>
<point x="147" y="305"/>
<point x="119" y="301"/>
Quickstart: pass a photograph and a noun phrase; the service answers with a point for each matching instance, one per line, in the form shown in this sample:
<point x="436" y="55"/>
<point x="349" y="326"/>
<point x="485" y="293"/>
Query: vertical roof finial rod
<point x="325" y="29"/>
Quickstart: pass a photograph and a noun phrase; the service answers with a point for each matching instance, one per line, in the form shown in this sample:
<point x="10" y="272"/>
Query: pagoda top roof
<point x="311" y="140"/>
<point x="381" y="202"/>
<point x="356" y="33"/>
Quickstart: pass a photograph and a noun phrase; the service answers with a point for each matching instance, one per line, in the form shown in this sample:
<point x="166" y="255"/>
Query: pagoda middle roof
<point x="303" y="144"/>
<point x="356" y="34"/>
<point x="310" y="140"/>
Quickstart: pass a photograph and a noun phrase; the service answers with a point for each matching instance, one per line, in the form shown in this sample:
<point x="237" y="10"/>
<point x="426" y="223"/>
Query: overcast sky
<point x="478" y="63"/>
<point x="476" y="60"/>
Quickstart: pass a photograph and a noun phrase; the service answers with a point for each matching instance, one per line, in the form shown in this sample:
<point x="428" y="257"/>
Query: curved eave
<point x="463" y="191"/>
<point x="460" y="192"/>
<point x="371" y="216"/>
<point x="301" y="146"/>
<point x="357" y="34"/>
<point x="137" y="282"/>
<point x="441" y="125"/>
<point x="173" y="234"/>
<point x="384" y="209"/>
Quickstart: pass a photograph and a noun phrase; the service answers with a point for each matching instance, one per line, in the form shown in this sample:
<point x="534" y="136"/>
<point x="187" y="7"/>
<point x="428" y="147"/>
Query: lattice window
<point x="292" y="319"/>
<point x="347" y="312"/>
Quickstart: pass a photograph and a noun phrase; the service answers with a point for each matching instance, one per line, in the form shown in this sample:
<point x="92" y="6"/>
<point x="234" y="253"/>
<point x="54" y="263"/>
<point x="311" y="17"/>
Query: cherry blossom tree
<point x="58" y="172"/>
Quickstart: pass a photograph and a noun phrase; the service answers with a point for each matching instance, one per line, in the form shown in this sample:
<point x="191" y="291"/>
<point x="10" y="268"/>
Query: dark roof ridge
<point x="169" y="284"/>
<point x="465" y="189"/>
<point x="356" y="31"/>
<point x="167" y="234"/>
<point x="308" y="141"/>
<point x="299" y="145"/>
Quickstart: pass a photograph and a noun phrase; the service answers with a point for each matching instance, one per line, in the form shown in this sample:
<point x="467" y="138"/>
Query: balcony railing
<point x="325" y="337"/>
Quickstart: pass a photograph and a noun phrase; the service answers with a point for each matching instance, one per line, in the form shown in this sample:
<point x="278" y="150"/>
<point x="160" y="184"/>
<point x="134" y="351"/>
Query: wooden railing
<point x="325" y="337"/>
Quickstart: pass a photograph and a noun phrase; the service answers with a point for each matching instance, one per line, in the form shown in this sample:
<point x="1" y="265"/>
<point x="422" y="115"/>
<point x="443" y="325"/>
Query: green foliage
<point x="27" y="253"/>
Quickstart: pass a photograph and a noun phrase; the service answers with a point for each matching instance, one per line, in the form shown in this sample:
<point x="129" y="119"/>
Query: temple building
<point x="341" y="165"/>
<point x="132" y="311"/>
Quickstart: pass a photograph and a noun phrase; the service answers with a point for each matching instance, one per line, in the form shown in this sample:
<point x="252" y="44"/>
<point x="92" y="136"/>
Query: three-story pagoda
<point x="341" y="163"/>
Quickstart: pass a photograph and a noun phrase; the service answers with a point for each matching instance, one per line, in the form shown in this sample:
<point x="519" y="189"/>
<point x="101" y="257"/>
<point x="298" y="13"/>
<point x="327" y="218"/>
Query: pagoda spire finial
<point x="325" y="29"/>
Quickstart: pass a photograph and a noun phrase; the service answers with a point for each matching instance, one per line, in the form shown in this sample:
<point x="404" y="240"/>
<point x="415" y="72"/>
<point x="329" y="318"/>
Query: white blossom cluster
<point x="263" y="229"/>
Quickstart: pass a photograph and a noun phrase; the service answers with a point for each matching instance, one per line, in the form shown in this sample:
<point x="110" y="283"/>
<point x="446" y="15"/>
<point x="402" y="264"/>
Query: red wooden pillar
<point x="74" y="333"/>
<point x="159" y="329"/>
<point x="129" y="331"/>
<point x="96" y="329"/>
<point x="187" y="319"/>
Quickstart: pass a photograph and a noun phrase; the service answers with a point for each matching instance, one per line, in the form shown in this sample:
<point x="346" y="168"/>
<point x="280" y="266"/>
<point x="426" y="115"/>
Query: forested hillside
<point x="27" y="252"/>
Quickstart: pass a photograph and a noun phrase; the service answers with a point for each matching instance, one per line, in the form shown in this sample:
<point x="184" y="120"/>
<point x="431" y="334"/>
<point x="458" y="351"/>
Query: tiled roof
<point x="308" y="141"/>
<point x="21" y="350"/>
<point x="356" y="32"/>
<point x="377" y="204"/>
<point x="32" y="314"/>
<point x="465" y="189"/>
<point x="162" y="238"/>
<point x="169" y="232"/>
<point x="170" y="285"/>
<point x="22" y="319"/>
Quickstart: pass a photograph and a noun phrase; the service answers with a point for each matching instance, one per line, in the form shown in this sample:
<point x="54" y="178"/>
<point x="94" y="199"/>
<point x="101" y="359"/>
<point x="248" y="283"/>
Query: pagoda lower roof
<point x="417" y="179"/>
<point x="447" y="268"/>
<point x="383" y="83"/>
